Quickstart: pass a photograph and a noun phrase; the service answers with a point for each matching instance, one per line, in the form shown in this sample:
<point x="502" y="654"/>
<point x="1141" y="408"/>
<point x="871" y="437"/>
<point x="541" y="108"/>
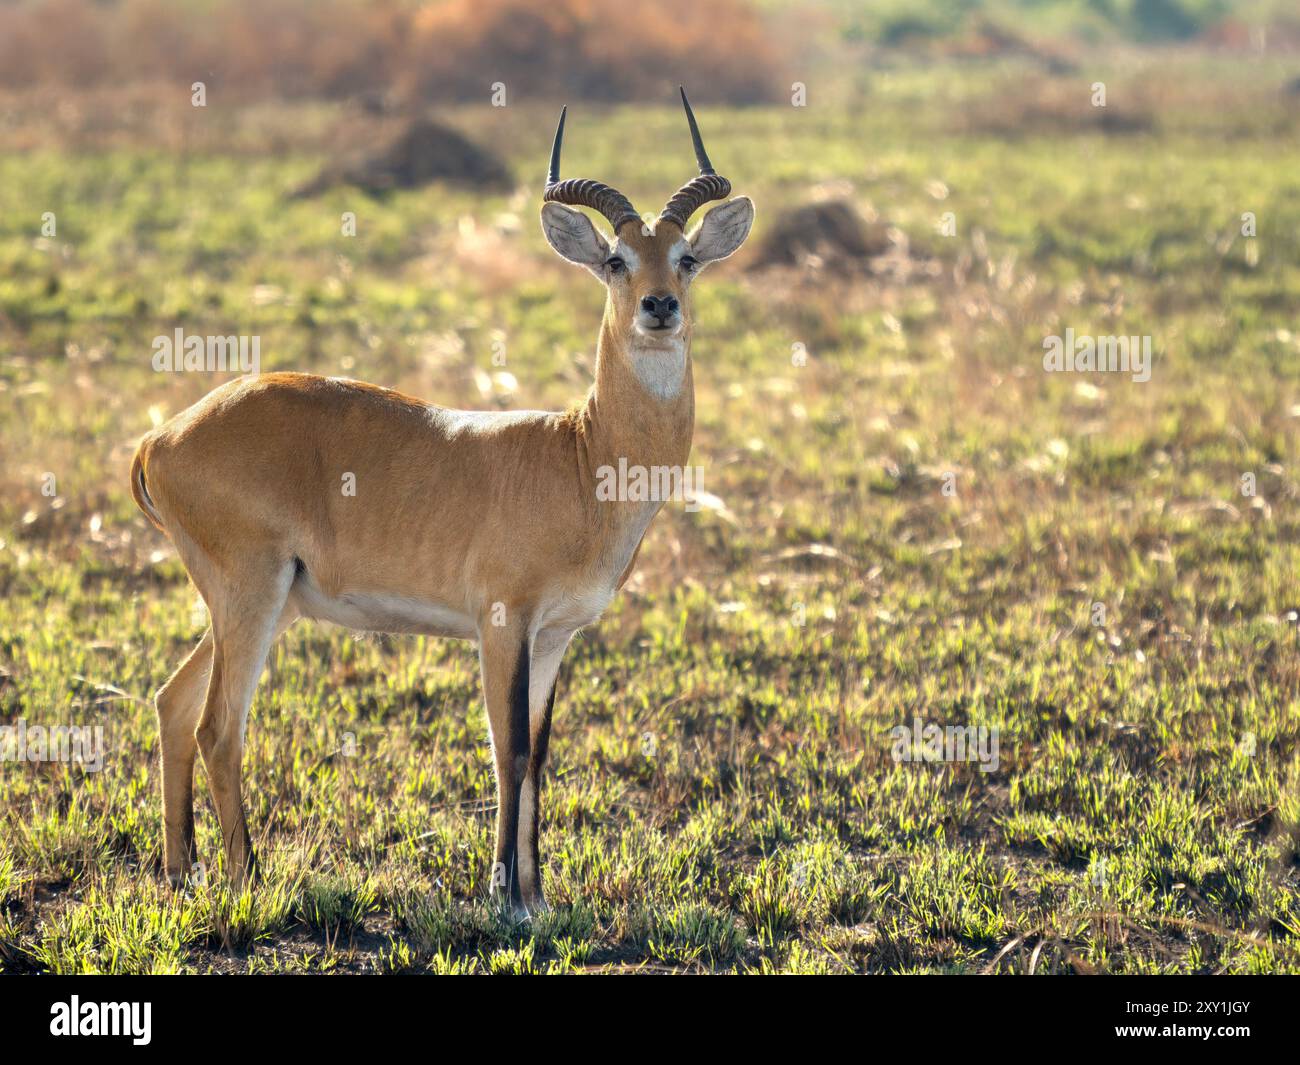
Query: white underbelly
<point x="381" y="612"/>
<point x="568" y="611"/>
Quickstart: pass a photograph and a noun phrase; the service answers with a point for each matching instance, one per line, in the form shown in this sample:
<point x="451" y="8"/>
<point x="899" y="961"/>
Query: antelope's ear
<point x="572" y="235"/>
<point x="723" y="230"/>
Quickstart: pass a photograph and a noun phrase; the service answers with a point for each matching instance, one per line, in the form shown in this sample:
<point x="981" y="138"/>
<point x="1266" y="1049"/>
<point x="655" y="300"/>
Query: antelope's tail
<point x="140" y="491"/>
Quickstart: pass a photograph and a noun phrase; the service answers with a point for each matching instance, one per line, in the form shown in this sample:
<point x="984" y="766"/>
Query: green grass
<point x="722" y="794"/>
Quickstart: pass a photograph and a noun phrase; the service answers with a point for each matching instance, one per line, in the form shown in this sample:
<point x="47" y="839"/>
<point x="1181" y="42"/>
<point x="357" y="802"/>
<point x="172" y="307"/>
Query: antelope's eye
<point x="615" y="265"/>
<point x="688" y="262"/>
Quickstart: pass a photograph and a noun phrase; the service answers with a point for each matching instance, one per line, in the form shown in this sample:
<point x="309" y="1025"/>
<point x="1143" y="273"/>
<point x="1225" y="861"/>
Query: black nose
<point x="662" y="307"/>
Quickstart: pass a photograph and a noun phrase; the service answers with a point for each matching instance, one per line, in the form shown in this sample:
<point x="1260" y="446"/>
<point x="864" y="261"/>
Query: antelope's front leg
<point x="547" y="650"/>
<point x="504" y="663"/>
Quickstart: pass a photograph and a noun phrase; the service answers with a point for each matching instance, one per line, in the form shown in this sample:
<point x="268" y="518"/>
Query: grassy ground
<point x="915" y="522"/>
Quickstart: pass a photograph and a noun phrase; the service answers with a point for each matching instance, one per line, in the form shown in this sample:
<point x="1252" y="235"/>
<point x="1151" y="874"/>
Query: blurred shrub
<point x="450" y="49"/>
<point x="577" y="48"/>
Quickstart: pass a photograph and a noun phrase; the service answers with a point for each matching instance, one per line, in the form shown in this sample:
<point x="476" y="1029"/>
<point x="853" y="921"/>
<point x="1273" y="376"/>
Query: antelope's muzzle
<point x="660" y="313"/>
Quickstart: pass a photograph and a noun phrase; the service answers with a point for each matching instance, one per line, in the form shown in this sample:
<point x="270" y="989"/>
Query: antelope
<point x="480" y="525"/>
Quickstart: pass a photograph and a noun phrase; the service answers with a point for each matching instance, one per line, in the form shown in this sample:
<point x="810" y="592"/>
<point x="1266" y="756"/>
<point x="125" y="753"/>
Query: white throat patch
<point x="661" y="368"/>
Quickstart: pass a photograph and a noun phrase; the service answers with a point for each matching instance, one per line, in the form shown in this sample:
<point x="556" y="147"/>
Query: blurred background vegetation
<point x="577" y="49"/>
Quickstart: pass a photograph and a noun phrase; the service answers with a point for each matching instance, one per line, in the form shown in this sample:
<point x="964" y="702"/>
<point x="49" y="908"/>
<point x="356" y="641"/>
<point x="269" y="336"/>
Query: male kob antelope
<point x="470" y="524"/>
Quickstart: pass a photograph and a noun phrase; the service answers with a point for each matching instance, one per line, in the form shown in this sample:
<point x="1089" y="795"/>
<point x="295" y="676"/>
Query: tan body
<point x="447" y="511"/>
<point x="290" y="495"/>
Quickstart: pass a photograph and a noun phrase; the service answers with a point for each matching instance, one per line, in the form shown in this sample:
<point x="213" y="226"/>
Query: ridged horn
<point x="583" y="192"/>
<point x="709" y="185"/>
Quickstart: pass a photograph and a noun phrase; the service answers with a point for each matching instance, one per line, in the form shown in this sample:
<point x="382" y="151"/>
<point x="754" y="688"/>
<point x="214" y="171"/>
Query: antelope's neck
<point x="641" y="409"/>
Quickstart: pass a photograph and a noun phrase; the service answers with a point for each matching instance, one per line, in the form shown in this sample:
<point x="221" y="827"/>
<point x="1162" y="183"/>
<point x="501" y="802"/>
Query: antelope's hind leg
<point x="246" y="619"/>
<point x="179" y="703"/>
